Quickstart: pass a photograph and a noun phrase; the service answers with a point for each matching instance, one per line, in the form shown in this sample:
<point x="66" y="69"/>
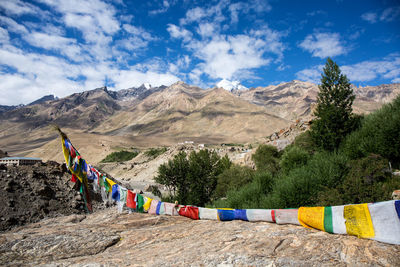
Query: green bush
<point x="305" y="142"/>
<point x="155" y="152"/>
<point x="379" y="134"/>
<point x="232" y="179"/>
<point x="369" y="180"/>
<point x="249" y="195"/>
<point x="266" y="158"/>
<point x="120" y="156"/>
<point x="292" y="158"/>
<point x="301" y="186"/>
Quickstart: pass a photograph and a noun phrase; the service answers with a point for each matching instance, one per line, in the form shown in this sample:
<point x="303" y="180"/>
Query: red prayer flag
<point x="130" y="200"/>
<point x="73" y="178"/>
<point x="73" y="154"/>
<point x="190" y="212"/>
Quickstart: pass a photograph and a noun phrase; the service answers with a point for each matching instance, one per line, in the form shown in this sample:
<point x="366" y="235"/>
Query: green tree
<point x="192" y="180"/>
<point x="334" y="108"/>
<point x="174" y="176"/>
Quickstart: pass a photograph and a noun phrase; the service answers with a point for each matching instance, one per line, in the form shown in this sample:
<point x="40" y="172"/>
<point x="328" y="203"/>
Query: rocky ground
<point x="43" y="224"/>
<point x="106" y="238"/>
<point x="31" y="193"/>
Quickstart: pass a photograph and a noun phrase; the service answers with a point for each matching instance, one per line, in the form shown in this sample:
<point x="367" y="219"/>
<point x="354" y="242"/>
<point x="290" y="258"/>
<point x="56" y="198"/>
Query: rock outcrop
<point x="31" y="193"/>
<point x="107" y="238"/>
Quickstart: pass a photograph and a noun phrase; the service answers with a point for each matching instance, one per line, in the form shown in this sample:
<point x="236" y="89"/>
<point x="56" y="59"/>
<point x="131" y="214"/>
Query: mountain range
<point x="148" y="116"/>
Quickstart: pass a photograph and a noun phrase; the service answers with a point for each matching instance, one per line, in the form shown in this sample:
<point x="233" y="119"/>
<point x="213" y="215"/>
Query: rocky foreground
<point x="107" y="238"/>
<point x="32" y="193"/>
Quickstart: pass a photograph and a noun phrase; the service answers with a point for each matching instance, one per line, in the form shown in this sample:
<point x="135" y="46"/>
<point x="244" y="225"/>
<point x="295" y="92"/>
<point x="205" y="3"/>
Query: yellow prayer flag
<point x="358" y="220"/>
<point x="111" y="183"/>
<point x="147" y="203"/>
<point x="312" y="217"/>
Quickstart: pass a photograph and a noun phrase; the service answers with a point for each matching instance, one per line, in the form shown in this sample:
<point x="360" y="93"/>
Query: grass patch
<point x="232" y="144"/>
<point x="155" y="152"/>
<point x="120" y="156"/>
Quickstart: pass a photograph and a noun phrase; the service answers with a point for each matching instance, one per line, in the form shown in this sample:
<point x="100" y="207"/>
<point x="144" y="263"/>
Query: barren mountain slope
<point x="295" y="99"/>
<point x="185" y="112"/>
<point x="148" y="117"/>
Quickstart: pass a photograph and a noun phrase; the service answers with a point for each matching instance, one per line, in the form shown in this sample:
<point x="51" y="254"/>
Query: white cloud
<point x="194" y="14"/>
<point x="206" y="29"/>
<point x="165" y="6"/>
<point x="225" y="56"/>
<point x="132" y="77"/>
<point x="179" y="32"/>
<point x="371" y="17"/>
<point x="214" y="13"/>
<point x="181" y="63"/>
<point x="323" y="45"/>
<point x="387" y="15"/>
<point x="91" y="17"/>
<point x="12" y="25"/>
<point x="4" y="37"/>
<point x="38" y="74"/>
<point x="17" y="7"/>
<point x="390" y="14"/>
<point x="66" y="46"/>
<point x="387" y="68"/>
<point x="234" y="10"/>
<point x="137" y="38"/>
<point x="311" y="74"/>
<point x="229" y="85"/>
<point x="71" y="64"/>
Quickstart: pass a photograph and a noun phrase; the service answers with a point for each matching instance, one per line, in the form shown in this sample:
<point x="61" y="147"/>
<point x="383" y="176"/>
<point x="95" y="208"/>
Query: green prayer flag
<point x="328" y="223"/>
<point x="140" y="203"/>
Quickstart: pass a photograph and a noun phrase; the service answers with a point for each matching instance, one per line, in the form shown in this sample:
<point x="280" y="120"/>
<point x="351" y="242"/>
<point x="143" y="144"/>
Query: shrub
<point x="120" y="156"/>
<point x="379" y="134"/>
<point x="301" y="186"/>
<point x="368" y="180"/>
<point x="292" y="158"/>
<point x="266" y="158"/>
<point x="249" y="195"/>
<point x="305" y="142"/>
<point x="155" y="152"/>
<point x="232" y="179"/>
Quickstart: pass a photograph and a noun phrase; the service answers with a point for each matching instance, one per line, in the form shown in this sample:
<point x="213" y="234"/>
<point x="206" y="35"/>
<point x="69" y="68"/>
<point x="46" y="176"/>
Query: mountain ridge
<point x="165" y="115"/>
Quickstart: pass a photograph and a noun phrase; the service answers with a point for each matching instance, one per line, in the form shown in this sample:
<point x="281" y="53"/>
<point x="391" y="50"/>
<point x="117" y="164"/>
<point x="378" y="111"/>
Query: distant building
<point x="17" y="161"/>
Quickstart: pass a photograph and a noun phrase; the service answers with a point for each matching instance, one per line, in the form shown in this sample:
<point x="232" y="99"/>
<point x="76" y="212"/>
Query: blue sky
<point x="64" y="46"/>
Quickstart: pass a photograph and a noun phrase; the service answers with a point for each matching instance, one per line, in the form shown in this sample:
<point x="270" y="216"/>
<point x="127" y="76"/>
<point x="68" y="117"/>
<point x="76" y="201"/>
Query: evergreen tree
<point x="334" y="108"/>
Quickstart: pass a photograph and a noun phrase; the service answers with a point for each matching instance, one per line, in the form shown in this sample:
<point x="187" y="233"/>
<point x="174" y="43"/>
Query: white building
<point x="17" y="161"/>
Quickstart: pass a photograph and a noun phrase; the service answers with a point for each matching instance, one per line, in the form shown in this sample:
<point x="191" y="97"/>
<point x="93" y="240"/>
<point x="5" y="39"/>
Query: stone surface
<point x="107" y="238"/>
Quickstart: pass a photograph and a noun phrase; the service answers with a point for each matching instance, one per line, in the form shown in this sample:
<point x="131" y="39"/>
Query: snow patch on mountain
<point x="231" y="85"/>
<point x="147" y="85"/>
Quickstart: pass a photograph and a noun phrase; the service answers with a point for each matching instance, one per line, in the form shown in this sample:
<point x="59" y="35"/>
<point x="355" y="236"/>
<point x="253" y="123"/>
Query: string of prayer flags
<point x="378" y="221"/>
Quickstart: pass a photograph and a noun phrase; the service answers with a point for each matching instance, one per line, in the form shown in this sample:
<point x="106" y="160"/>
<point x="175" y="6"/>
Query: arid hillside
<point x="101" y="121"/>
